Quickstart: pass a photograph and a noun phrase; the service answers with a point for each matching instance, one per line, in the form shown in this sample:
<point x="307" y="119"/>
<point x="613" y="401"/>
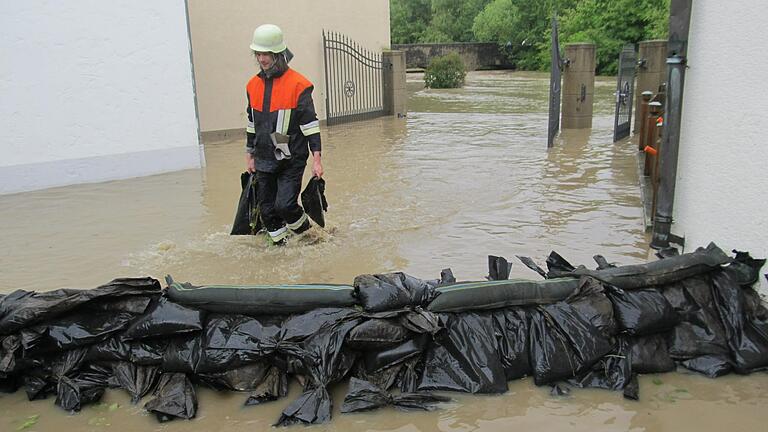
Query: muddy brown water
<point x="467" y="174"/>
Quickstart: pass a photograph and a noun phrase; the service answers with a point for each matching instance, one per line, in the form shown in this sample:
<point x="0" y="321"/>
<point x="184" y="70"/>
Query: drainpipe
<point x="679" y="22"/>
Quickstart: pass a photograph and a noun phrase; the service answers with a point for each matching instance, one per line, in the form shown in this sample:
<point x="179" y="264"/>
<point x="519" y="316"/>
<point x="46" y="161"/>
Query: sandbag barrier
<point x="395" y="337"/>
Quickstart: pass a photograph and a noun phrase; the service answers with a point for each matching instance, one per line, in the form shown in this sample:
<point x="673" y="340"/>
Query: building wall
<point x="94" y="91"/>
<point x="222" y="31"/>
<point x="722" y="177"/>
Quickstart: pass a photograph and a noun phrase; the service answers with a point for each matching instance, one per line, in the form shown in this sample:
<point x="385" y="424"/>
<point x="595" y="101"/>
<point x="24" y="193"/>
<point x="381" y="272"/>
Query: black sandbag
<point x="243" y="378"/>
<point x="420" y="321"/>
<point x="712" y="366"/>
<point x="528" y="262"/>
<point x="747" y="336"/>
<point x="642" y="311"/>
<point x="465" y="357"/>
<point x="112" y="349"/>
<point x="72" y="394"/>
<point x="38" y="386"/>
<point x="323" y="361"/>
<point x="176" y="398"/>
<point x="650" y="354"/>
<point x="313" y="200"/>
<point x="272" y="387"/>
<point x="165" y="318"/>
<point x="558" y="266"/>
<point x="21" y="308"/>
<point x="133" y="304"/>
<point x="592" y="304"/>
<point x="73" y="330"/>
<point x="376" y="360"/>
<point x="247" y="217"/>
<point x="511" y="326"/>
<point x="364" y="396"/>
<point x="10" y="354"/>
<point x="563" y="343"/>
<point x="10" y="384"/>
<point x="231" y="341"/>
<point x="484" y="295"/>
<point x="602" y="263"/>
<point x="138" y="381"/>
<point x="700" y="331"/>
<point x="375" y="334"/>
<point x="612" y="372"/>
<point x="261" y="299"/>
<point x="390" y="291"/>
<point x="148" y="351"/>
<point x="498" y="268"/>
<point x="745" y="269"/>
<point x="385" y="378"/>
<point x="662" y="272"/>
<point x="183" y="354"/>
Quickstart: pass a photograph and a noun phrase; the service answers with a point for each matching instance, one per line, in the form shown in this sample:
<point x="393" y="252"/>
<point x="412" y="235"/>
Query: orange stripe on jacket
<point x="285" y="91"/>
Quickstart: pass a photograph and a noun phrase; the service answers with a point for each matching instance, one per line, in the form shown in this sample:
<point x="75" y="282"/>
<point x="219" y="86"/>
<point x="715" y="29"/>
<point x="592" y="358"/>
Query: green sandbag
<point x="260" y="299"/>
<point x="464" y="296"/>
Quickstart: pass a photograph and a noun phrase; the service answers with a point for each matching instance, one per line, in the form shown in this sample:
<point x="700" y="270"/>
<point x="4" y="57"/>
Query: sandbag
<point x="73" y="330"/>
<point x="464" y="296"/>
<point x="465" y="357"/>
<point x="364" y="396"/>
<point x="313" y="200"/>
<point x="272" y="387"/>
<point x="165" y="318"/>
<point x="712" y="366"/>
<point x="137" y="380"/>
<point x="243" y="378"/>
<point x="498" y="268"/>
<point x="175" y="398"/>
<point x="662" y="272"/>
<point x="247" y="217"/>
<point x="375" y="334"/>
<point x="612" y="372"/>
<point x="260" y="299"/>
<point x="21" y="308"/>
<point x="511" y="327"/>
<point x="390" y="291"/>
<point x="642" y="311"/>
<point x="376" y="360"/>
<point x="649" y="354"/>
<point x="231" y="341"/>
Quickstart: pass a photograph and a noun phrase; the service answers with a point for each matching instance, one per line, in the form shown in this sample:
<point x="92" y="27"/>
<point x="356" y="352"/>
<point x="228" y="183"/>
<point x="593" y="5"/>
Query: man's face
<point x="266" y="60"/>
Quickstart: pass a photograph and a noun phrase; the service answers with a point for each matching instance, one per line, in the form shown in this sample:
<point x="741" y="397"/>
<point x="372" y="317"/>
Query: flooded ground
<point x="467" y="174"/>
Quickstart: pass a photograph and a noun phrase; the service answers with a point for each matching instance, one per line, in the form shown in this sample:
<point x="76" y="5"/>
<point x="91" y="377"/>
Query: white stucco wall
<point x="94" y="90"/>
<point x="222" y="31"/>
<point x="723" y="164"/>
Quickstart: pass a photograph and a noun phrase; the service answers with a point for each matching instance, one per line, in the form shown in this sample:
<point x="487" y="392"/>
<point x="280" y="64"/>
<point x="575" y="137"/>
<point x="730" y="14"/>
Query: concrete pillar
<point x="395" y="94"/>
<point x="578" y="86"/>
<point x="651" y="71"/>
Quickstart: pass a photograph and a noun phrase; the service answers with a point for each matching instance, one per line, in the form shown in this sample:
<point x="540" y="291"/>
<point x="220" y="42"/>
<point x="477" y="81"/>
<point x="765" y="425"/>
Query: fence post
<point x="395" y="94"/>
<point x="642" y="115"/>
<point x="578" y="86"/>
<point x="651" y="71"/>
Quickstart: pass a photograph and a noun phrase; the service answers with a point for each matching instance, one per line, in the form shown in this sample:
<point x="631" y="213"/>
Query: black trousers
<point x="279" y="194"/>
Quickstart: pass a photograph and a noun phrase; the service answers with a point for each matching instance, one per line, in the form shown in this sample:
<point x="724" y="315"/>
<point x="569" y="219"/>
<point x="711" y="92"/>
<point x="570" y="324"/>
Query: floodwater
<point x="467" y="174"/>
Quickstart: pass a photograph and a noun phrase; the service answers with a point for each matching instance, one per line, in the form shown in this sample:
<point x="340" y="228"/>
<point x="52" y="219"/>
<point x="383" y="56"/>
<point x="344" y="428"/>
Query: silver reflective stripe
<point x="283" y="120"/>
<point x="296" y="225"/>
<point x="310" y="128"/>
<point x="278" y="235"/>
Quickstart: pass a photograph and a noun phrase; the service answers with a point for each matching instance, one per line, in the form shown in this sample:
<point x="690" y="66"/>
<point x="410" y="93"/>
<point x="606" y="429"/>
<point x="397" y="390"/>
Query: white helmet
<point x="268" y="38"/>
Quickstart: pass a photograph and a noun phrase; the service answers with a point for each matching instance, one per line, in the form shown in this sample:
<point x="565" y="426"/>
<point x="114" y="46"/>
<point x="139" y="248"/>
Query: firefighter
<point x="282" y="132"/>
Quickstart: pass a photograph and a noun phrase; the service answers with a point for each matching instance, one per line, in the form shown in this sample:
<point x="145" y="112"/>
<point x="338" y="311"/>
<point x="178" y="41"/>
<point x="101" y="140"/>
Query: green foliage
<point x="452" y="20"/>
<point x="611" y="24"/>
<point x="409" y="20"/>
<point x="445" y="72"/>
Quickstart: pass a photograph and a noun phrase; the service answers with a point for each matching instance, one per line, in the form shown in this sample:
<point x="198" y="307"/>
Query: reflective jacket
<point x="282" y="104"/>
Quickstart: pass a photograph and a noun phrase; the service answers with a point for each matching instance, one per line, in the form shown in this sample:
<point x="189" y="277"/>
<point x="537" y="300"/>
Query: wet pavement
<point x="467" y="174"/>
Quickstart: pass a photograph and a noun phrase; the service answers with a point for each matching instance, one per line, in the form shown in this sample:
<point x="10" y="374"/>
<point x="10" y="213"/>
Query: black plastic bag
<point x="243" y="378"/>
<point x="148" y="351"/>
<point x="558" y="266"/>
<point x="313" y="200"/>
<point x="643" y="311"/>
<point x="72" y="331"/>
<point x="528" y="262"/>
<point x="391" y="291"/>
<point x="745" y="269"/>
<point x="649" y="354"/>
<point x="747" y="336"/>
<point x="712" y="366"/>
<point x="112" y="349"/>
<point x="72" y="394"/>
<point x="248" y="217"/>
<point x="165" y="318"/>
<point x="375" y="334"/>
<point x="700" y="331"/>
<point x="378" y="360"/>
<point x="21" y="308"/>
<point x="612" y="372"/>
<point x="465" y="357"/>
<point x="10" y="354"/>
<point x="511" y="326"/>
<point x="183" y="354"/>
<point x="231" y="341"/>
<point x="592" y="304"/>
<point x="364" y="396"/>
<point x="137" y="380"/>
<point x="272" y="387"/>
<point x="498" y="268"/>
<point x="176" y="398"/>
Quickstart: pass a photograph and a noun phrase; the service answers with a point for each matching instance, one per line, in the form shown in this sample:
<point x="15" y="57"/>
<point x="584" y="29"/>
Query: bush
<point x="445" y="72"/>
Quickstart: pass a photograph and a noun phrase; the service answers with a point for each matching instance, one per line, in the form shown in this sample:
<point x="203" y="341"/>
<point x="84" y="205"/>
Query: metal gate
<point x="353" y="80"/>
<point x="554" y="87"/>
<point x="624" y="89"/>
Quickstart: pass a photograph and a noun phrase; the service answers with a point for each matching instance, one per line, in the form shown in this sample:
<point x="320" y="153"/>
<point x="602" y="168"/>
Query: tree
<point x="452" y="20"/>
<point x="408" y="20"/>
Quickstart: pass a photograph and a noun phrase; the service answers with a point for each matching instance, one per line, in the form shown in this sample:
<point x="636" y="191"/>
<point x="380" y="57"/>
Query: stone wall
<point x="475" y="55"/>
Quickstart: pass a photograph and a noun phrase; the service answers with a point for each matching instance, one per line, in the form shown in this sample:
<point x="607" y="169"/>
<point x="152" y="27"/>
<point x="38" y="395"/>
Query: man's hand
<point x="250" y="163"/>
<point x="317" y="165"/>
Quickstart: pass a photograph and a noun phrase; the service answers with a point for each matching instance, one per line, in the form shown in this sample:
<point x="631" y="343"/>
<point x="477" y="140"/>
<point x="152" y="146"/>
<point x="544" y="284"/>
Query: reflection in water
<point x="467" y="174"/>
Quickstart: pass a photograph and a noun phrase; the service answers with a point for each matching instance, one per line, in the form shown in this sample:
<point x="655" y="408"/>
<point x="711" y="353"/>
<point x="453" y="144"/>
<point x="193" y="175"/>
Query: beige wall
<point x="221" y="33"/>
